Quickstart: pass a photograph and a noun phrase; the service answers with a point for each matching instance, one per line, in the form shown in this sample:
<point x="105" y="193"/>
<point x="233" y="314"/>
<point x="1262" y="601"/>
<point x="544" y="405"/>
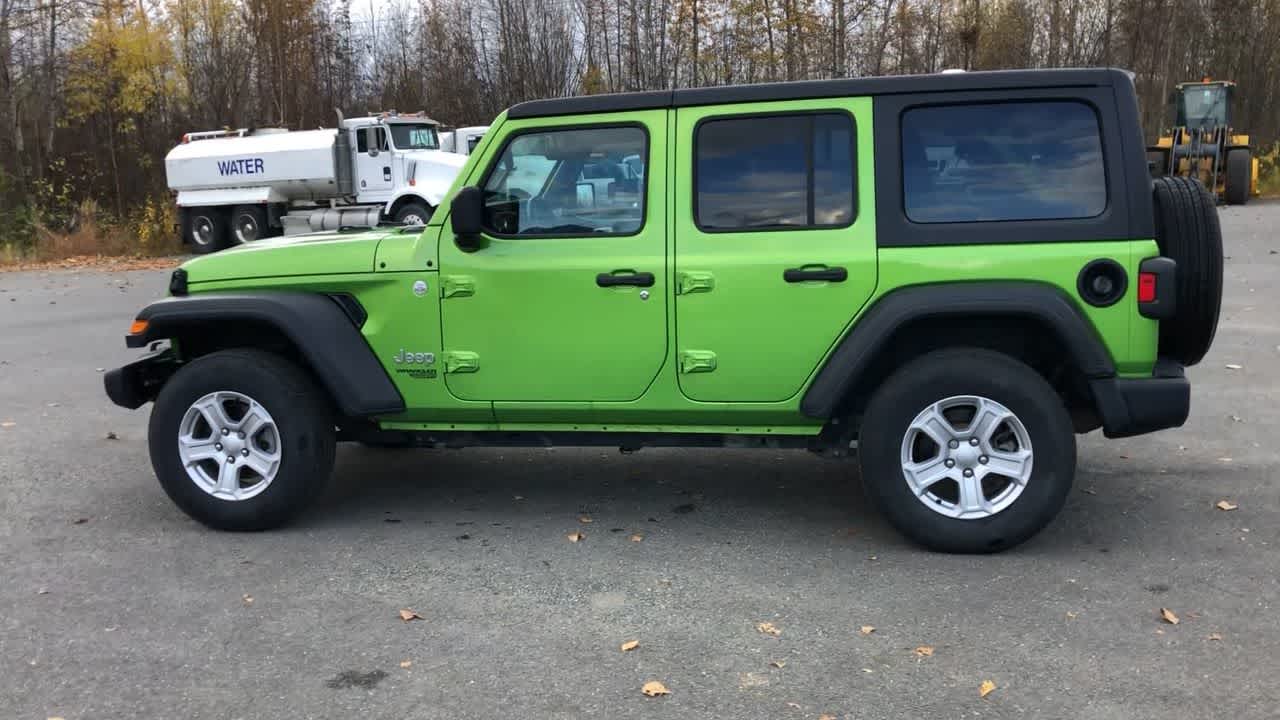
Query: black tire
<point x="249" y="223"/>
<point x="305" y="431"/>
<point x="411" y="210"/>
<point x="1239" y="176"/>
<point x="1187" y="230"/>
<point x="943" y="374"/>
<point x="205" y="229"/>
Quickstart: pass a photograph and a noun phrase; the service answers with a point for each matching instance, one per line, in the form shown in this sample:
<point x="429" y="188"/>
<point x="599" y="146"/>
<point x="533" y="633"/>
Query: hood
<point x="326" y="253"/>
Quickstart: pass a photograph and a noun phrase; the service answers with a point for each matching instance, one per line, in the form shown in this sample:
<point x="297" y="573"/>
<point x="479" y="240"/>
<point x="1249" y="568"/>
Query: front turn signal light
<point x="138" y="327"/>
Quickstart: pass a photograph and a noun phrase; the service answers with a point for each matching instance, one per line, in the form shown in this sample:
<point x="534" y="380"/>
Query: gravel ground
<point x="113" y="604"/>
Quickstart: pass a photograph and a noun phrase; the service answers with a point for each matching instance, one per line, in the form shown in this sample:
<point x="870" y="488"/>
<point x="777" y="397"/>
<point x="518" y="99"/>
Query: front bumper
<point x="140" y="381"/>
<point x="1137" y="406"/>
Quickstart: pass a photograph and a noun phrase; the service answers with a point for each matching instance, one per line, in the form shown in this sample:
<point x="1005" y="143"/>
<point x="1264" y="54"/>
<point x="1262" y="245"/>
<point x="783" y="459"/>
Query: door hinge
<point x="694" y="282"/>
<point x="461" y="361"/>
<point x="457" y="286"/>
<point x="697" y="361"/>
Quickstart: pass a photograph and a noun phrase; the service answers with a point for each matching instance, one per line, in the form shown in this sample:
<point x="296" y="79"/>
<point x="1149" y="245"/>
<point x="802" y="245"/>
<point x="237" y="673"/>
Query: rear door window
<point x="769" y="172"/>
<point x="1002" y="161"/>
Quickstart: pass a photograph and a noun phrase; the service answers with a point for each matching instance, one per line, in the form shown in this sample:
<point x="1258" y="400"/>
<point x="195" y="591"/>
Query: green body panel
<point x="766" y="335"/>
<point x="1129" y="337"/>
<point x="521" y="337"/>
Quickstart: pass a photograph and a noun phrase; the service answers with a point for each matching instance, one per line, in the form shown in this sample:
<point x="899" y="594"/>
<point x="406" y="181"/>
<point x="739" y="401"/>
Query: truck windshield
<point x="414" y="137"/>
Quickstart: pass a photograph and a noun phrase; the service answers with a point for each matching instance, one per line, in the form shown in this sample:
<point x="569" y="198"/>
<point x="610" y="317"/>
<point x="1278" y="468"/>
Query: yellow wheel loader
<point x="1203" y="144"/>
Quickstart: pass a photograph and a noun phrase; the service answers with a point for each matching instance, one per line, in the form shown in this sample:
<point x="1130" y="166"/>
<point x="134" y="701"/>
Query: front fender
<point x="323" y="329"/>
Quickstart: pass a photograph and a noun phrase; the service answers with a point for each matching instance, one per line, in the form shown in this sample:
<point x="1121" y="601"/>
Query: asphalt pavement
<point x="113" y="604"/>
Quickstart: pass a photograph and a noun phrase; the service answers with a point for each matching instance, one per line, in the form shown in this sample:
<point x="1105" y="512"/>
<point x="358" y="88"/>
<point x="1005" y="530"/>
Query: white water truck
<point x="236" y="186"/>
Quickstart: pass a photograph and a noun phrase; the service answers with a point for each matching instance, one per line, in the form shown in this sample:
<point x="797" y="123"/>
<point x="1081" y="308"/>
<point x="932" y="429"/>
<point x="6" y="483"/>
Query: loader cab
<point x="1203" y="105"/>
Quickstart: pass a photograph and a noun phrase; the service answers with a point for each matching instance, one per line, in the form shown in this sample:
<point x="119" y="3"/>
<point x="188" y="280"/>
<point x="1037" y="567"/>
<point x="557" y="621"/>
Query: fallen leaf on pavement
<point x="112" y="436"/>
<point x="248" y="599"/>
<point x="584" y="519"/>
<point x="779" y="664"/>
<point x="1167" y="615"/>
<point x="406" y="663"/>
<point x="794" y="706"/>
<point x="986" y="688"/>
<point x="769" y="628"/>
<point x="1214" y="636"/>
<point x="407" y="615"/>
<point x="867" y="629"/>
<point x="637" y="537"/>
<point x="1233" y="366"/>
<point x="1071" y="615"/>
<point x="575" y="537"/>
<point x="653" y="688"/>
<point x="925" y="651"/>
<point x="826" y="716"/>
<point x="630" y="645"/>
<point x="80" y="521"/>
<point x="1225" y="505"/>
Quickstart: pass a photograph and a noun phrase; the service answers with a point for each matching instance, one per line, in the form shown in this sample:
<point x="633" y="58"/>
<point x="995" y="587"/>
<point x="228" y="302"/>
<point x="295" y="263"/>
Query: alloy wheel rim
<point x="229" y="445"/>
<point x="966" y="457"/>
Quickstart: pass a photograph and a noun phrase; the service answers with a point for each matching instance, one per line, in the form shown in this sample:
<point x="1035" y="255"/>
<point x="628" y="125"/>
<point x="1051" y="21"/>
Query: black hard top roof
<point x="808" y="89"/>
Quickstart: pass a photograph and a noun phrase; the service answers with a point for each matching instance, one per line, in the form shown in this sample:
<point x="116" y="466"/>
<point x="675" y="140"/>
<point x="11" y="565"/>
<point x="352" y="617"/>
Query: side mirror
<point x="465" y="215"/>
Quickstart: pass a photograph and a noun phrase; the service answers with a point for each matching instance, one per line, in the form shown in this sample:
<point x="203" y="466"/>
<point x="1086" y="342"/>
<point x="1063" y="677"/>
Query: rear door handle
<point x="619" y="278"/>
<point x="829" y="274"/>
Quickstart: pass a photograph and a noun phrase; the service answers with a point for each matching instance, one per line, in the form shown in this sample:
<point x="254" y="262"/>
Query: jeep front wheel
<point x="967" y="450"/>
<point x="241" y="440"/>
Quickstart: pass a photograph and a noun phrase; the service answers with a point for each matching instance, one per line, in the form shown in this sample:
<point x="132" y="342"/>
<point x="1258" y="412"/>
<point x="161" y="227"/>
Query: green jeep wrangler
<point x="946" y="276"/>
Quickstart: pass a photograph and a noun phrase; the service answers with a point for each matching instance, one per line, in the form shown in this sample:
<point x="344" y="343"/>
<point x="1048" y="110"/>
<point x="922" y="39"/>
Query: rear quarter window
<point x="986" y="162"/>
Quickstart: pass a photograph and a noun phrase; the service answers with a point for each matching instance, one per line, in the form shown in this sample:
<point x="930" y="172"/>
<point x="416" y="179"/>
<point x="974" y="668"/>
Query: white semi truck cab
<point x="462" y="140"/>
<point x="237" y="186"/>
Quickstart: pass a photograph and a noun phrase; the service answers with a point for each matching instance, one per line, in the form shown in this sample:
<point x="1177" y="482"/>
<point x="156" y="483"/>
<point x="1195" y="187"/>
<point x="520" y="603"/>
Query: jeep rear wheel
<point x="241" y="440"/>
<point x="967" y="450"/>
<point x="1187" y="230"/>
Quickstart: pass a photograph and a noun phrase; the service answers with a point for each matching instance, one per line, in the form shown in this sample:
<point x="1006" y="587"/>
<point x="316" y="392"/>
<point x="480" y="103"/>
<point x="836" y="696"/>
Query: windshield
<point x="414" y="137"/>
<point x="1203" y="106"/>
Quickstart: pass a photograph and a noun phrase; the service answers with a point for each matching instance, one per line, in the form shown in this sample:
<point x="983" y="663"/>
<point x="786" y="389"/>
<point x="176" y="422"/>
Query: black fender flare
<point x="1037" y="301"/>
<point x="324" y="328"/>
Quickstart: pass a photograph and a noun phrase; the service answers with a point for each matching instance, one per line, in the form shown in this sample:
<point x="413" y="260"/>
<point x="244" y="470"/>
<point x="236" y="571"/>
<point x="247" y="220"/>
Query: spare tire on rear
<point x="1187" y="230"/>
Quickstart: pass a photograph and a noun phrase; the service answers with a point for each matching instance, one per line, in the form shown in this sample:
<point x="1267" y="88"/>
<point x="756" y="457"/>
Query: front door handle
<point x="807" y="274"/>
<point x="619" y="278"/>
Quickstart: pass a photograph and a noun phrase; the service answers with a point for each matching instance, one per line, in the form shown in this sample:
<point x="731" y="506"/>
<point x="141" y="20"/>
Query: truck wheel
<point x="413" y="213"/>
<point x="1187" y="230"/>
<point x="249" y="223"/>
<point x="967" y="450"/>
<point x="1239" y="176"/>
<point x="206" y="229"/>
<point x="241" y="440"/>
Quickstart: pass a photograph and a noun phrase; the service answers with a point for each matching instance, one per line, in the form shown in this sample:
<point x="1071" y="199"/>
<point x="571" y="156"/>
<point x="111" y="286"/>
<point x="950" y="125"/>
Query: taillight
<point x="1146" y="287"/>
<point x="1157" y="288"/>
